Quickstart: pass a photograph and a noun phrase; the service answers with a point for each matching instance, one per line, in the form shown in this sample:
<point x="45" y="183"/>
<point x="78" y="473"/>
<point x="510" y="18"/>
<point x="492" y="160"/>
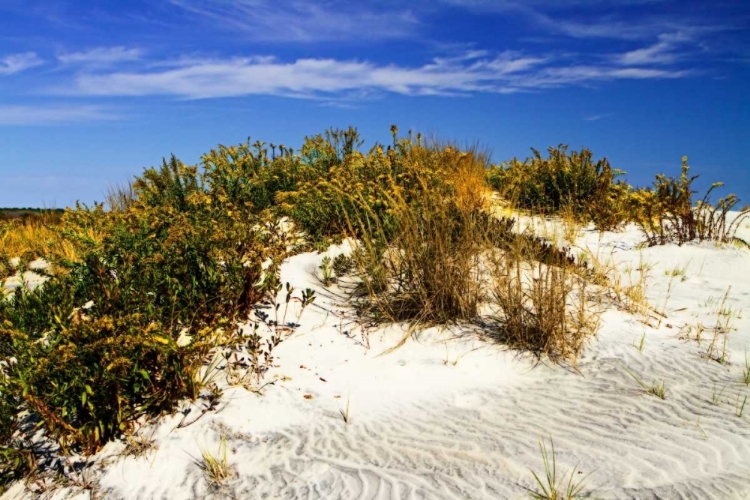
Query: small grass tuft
<point x="716" y="396"/>
<point x="552" y="488"/>
<point x="344" y="412"/>
<point x="656" y="389"/>
<point x="641" y="344"/>
<point x="739" y="408"/>
<point x="215" y="468"/>
<point x="138" y="445"/>
<point x="328" y="275"/>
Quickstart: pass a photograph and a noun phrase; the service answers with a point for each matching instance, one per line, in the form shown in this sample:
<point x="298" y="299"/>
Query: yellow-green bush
<point x="564" y="181"/>
<point x="666" y="213"/>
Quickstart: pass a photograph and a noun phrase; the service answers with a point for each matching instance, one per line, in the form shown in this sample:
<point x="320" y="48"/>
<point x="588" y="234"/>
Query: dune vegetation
<point x="141" y="290"/>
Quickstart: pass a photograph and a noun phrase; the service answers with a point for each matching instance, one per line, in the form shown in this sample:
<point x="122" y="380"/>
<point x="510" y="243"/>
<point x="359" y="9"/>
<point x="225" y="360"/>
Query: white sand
<point x="421" y="427"/>
<point x="29" y="278"/>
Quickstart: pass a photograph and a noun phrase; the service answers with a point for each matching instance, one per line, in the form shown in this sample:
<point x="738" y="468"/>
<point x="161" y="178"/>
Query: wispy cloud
<point x="553" y="4"/>
<point x="474" y="72"/>
<point x="15" y="63"/>
<point x="665" y="51"/>
<point x="587" y="74"/>
<point x="302" y="20"/>
<point x="101" y="56"/>
<point x="55" y="114"/>
<point x="585" y="19"/>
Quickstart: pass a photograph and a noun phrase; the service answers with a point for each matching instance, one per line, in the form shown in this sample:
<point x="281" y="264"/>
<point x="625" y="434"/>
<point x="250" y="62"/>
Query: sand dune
<point x="421" y="426"/>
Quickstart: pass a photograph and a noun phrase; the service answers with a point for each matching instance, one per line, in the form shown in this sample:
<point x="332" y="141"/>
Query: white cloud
<point x="309" y="78"/>
<point x="548" y="4"/>
<point x="302" y="20"/>
<point x="584" y="19"/>
<point x="330" y="78"/>
<point x="665" y="51"/>
<point x="52" y="114"/>
<point x="15" y="63"/>
<point x="593" y="118"/>
<point x="585" y="74"/>
<point x="101" y="56"/>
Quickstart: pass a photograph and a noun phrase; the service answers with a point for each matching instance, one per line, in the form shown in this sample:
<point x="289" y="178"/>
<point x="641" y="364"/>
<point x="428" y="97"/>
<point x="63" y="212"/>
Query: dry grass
<point x="215" y="468"/>
<point x="468" y="177"/>
<point x="570" y="225"/>
<point x="544" y="309"/>
<point x="34" y="238"/>
<point x="119" y="197"/>
<point x="138" y="445"/>
<point x="625" y="287"/>
<point x="41" y="236"/>
<point x="448" y="256"/>
<point x="429" y="271"/>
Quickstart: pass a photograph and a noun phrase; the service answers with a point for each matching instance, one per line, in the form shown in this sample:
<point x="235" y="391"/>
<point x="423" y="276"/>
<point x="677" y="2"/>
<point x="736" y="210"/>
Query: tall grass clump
<point x="666" y="213"/>
<point x="571" y="183"/>
<point x="542" y="308"/>
<point x="120" y="197"/>
<point x="32" y="237"/>
<point x="436" y="254"/>
<point x="421" y="258"/>
<point x="125" y="329"/>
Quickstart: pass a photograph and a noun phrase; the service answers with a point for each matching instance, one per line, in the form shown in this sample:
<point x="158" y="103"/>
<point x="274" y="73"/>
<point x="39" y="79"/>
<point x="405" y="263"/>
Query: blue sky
<point x="92" y="92"/>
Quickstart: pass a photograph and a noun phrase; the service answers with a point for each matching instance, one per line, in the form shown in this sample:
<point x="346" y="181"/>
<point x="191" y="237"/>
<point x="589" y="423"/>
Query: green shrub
<point x="341" y="265"/>
<point x="331" y="171"/>
<point x="250" y="177"/>
<point x="168" y="275"/>
<point x="289" y="184"/>
<point x="15" y="459"/>
<point x="571" y="182"/>
<point x="666" y="213"/>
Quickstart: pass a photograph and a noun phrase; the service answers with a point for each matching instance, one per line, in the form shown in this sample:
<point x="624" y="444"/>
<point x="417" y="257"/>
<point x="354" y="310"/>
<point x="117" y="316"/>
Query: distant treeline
<point x="31" y="214"/>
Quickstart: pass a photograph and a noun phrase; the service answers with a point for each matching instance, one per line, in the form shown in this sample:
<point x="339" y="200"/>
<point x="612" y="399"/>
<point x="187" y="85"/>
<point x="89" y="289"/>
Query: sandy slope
<point x="424" y="427"/>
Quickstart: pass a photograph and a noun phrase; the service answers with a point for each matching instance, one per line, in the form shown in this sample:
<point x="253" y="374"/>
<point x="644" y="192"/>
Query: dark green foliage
<point x="342" y="265"/>
<point x="248" y="176"/>
<point x="15" y="464"/>
<point x="122" y="330"/>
